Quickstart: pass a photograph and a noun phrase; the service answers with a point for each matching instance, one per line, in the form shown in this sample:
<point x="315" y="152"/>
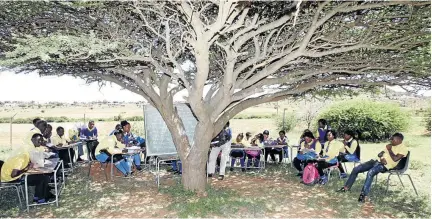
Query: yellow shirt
<point x="332" y="149"/>
<point x="318" y="146"/>
<point x="16" y="162"/>
<point x="56" y="140"/>
<point x="399" y="149"/>
<point x="109" y="143"/>
<point x="353" y="147"/>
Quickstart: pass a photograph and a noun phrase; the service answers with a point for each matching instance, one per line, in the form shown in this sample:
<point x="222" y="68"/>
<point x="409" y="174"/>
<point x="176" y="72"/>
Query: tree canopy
<point x="246" y="52"/>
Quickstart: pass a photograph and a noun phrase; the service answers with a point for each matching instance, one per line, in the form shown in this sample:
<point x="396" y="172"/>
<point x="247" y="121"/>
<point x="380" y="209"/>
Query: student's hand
<point x="383" y="161"/>
<point x="388" y="147"/>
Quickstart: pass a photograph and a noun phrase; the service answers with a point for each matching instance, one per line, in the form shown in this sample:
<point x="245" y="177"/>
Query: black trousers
<point x="40" y="182"/>
<point x="341" y="159"/>
<point x="272" y="152"/>
<point x="298" y="164"/>
<point x="91" y="148"/>
<point x="321" y="166"/>
<point x="64" y="155"/>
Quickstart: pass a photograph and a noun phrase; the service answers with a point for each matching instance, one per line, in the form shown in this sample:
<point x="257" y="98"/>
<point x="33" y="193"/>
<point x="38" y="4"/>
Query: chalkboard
<point x="158" y="137"/>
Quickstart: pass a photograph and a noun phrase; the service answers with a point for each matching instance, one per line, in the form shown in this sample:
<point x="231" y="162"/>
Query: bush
<point x="427" y="119"/>
<point x="373" y="121"/>
<point x="290" y="122"/>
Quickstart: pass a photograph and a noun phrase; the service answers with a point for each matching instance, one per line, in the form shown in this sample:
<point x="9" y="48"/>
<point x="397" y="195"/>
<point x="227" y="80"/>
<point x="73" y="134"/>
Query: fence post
<point x="10" y="135"/>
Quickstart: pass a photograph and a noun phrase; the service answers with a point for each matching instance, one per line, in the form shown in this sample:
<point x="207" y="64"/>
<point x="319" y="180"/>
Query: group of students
<point x="222" y="145"/>
<point x="40" y="139"/>
<point x="325" y="151"/>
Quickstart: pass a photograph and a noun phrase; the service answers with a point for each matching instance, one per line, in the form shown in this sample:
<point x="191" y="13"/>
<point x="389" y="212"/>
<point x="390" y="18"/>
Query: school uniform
<point x="20" y="161"/>
<point x="91" y="144"/>
<point x="63" y="154"/>
<point x="301" y="158"/>
<point x="374" y="167"/>
<point x="238" y="153"/>
<point x="330" y="153"/>
<point x="108" y="146"/>
<point x="250" y="154"/>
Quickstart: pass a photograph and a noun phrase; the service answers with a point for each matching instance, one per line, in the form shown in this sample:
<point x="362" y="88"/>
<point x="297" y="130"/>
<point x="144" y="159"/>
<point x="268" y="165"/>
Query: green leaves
<point x="374" y="121"/>
<point x="59" y="48"/>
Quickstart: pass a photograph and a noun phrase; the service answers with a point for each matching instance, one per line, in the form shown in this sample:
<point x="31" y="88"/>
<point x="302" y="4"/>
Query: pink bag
<point x="253" y="153"/>
<point x="310" y="174"/>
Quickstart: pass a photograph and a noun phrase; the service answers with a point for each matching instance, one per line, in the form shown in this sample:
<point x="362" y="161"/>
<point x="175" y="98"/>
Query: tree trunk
<point x="194" y="170"/>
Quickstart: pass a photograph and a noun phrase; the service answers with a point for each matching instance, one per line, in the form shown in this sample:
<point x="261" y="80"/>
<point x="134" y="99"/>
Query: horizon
<point x="30" y="87"/>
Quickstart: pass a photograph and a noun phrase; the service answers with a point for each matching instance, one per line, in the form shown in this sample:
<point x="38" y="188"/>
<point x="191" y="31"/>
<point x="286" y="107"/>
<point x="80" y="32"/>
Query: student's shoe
<point x="243" y="170"/>
<point x="343" y="189"/>
<point x="231" y="169"/>
<point x="41" y="201"/>
<point x="221" y="177"/>
<point x="210" y="175"/>
<point x="324" y="180"/>
<point x="343" y="175"/>
<point x="139" y="168"/>
<point x="300" y="174"/>
<point x="362" y="198"/>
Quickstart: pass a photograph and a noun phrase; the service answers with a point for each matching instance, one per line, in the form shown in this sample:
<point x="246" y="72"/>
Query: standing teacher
<point x="222" y="142"/>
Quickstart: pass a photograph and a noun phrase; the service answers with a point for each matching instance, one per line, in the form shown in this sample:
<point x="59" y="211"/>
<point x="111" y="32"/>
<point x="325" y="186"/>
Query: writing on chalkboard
<point x="158" y="137"/>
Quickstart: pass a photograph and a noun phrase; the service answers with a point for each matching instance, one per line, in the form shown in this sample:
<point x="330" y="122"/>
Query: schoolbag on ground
<point x="310" y="175"/>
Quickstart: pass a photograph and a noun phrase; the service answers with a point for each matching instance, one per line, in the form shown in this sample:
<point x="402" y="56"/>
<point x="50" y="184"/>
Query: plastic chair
<point x="399" y="171"/>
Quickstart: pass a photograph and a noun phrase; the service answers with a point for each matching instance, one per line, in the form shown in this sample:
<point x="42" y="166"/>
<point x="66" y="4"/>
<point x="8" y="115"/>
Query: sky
<point x="32" y="87"/>
<point x="23" y="87"/>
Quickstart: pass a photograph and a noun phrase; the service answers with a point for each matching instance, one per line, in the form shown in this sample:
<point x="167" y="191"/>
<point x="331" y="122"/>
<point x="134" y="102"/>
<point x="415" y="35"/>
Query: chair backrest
<point x="403" y="164"/>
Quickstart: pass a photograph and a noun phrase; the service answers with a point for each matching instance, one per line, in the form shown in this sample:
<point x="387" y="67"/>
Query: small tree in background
<point x="373" y="121"/>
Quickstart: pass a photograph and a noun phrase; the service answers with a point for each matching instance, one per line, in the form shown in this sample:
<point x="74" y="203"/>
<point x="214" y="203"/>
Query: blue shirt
<point x="89" y="133"/>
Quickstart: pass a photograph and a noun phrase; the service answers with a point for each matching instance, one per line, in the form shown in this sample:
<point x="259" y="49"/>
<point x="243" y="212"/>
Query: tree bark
<point x="194" y="163"/>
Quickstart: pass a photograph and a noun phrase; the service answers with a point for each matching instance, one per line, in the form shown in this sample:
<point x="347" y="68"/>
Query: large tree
<point x="245" y="52"/>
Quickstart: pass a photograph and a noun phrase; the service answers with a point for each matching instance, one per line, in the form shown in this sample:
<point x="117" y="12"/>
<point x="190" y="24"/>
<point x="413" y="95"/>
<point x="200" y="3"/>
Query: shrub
<point x="427" y="119"/>
<point x="374" y="121"/>
<point x="290" y="122"/>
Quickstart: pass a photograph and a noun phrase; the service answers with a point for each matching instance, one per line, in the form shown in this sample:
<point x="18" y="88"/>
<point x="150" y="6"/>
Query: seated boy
<point x="111" y="145"/>
<point x="59" y="140"/>
<point x="387" y="160"/>
<point x="16" y="165"/>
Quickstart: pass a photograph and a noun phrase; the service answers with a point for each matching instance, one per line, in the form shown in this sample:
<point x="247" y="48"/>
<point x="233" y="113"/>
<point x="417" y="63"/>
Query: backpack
<point x="310" y="175"/>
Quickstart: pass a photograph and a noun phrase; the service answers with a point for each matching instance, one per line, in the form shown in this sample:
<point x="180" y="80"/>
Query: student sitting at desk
<point x="111" y="145"/>
<point x="283" y="140"/>
<point x="257" y="141"/>
<point x="330" y="153"/>
<point x="91" y="134"/>
<point x="309" y="148"/>
<point x="59" y="140"/>
<point x="16" y="165"/>
<point x="130" y="139"/>
<point x="239" y="141"/>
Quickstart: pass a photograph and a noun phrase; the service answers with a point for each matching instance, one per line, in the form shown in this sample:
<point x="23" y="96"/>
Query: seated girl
<point x="330" y="153"/>
<point x="283" y="140"/>
<point x="350" y="152"/>
<point x="238" y="153"/>
<point x="257" y="141"/>
<point x="111" y="145"/>
<point x="308" y="150"/>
